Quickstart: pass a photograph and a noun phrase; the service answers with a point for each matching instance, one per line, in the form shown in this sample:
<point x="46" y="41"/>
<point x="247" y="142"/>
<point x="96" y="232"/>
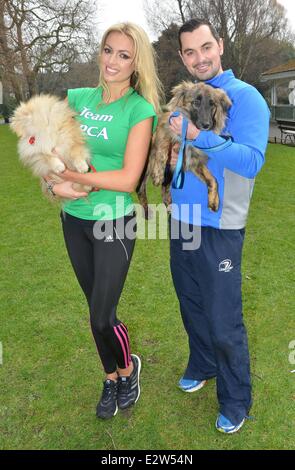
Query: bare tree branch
<point x="243" y="24"/>
<point x="42" y="34"/>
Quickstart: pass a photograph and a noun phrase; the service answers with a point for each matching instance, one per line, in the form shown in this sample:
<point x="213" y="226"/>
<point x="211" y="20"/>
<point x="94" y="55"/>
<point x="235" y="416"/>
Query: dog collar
<point x="32" y="140"/>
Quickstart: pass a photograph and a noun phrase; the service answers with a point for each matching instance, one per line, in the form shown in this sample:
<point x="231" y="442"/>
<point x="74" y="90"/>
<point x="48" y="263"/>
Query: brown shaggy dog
<point x="47" y="129"/>
<point x="206" y="107"/>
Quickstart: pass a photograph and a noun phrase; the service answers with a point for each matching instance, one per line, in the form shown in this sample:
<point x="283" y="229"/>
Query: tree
<point x="246" y="26"/>
<point x="42" y="35"/>
<point x="170" y="68"/>
<point x="7" y="57"/>
<point x="78" y="74"/>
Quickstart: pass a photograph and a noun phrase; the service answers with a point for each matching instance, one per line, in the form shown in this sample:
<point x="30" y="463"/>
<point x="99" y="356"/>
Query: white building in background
<point x="276" y="75"/>
<point x="292" y="94"/>
<point x="1" y="93"/>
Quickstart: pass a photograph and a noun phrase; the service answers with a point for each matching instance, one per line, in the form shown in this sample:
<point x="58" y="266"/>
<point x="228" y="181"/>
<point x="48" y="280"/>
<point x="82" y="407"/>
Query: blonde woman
<point x="118" y="118"/>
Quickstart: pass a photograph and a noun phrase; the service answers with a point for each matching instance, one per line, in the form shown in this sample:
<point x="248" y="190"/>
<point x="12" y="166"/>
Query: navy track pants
<point x="207" y="281"/>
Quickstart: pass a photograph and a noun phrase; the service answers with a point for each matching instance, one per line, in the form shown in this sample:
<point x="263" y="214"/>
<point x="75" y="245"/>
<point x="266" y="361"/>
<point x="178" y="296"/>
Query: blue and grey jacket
<point x="235" y="166"/>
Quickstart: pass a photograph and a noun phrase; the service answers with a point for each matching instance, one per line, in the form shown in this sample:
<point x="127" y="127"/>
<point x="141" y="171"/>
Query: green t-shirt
<point x="106" y="128"/>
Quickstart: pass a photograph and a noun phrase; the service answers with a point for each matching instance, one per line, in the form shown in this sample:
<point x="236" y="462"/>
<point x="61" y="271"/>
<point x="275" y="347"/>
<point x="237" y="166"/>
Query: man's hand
<point x="66" y="191"/>
<point x="176" y="127"/>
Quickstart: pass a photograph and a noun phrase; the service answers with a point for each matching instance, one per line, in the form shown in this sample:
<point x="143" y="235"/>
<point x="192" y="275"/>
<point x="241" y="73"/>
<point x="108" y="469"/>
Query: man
<point x="207" y="280"/>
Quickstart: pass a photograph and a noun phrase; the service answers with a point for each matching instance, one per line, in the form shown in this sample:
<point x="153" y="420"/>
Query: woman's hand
<point x="72" y="176"/>
<point x="65" y="190"/>
<point x="66" y="174"/>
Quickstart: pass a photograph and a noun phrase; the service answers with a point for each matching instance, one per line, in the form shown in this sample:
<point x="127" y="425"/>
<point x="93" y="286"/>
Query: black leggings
<point x="100" y="253"/>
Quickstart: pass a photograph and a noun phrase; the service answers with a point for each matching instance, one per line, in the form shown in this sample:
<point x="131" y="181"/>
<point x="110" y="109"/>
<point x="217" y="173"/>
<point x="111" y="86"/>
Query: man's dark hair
<point x="193" y="24"/>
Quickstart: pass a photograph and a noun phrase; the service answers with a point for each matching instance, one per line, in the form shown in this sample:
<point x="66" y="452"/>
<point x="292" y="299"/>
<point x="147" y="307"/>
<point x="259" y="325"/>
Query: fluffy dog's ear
<point x="223" y="103"/>
<point x="223" y="99"/>
<point x="16" y="127"/>
<point x="20" y="117"/>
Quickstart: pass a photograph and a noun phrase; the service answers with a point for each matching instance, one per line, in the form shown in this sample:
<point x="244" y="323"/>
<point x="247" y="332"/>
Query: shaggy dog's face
<point x="203" y="110"/>
<point x="206" y="106"/>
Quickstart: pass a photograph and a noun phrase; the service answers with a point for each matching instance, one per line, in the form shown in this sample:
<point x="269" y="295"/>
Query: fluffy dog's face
<point x="206" y="106"/>
<point x="49" y="136"/>
<point x="36" y="123"/>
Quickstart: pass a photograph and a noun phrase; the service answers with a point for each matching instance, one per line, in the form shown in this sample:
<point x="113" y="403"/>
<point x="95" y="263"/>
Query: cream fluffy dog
<point x="47" y="129"/>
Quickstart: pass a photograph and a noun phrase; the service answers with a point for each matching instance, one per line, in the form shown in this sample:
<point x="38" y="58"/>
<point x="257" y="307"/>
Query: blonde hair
<point x="144" y="79"/>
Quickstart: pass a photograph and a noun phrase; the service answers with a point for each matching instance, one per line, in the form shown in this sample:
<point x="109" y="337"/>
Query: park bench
<point x="287" y="129"/>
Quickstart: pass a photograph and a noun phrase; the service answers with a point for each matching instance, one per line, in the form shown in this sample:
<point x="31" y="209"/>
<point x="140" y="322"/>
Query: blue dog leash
<point x="178" y="175"/>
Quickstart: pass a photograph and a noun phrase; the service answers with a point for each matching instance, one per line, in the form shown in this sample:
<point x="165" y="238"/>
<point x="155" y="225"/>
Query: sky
<point x="290" y="7"/>
<point x="113" y="11"/>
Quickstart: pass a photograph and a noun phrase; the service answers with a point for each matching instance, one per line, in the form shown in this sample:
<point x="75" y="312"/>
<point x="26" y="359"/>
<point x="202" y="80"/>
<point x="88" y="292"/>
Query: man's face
<point x="201" y="53"/>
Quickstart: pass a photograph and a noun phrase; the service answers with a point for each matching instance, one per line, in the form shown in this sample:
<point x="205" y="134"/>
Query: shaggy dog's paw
<point x="81" y="167"/>
<point x="214" y="204"/>
<point x="148" y="213"/>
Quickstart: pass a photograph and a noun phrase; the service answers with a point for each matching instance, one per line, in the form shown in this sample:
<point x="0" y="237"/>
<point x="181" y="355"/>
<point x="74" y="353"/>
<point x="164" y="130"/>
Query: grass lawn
<point x="50" y="379"/>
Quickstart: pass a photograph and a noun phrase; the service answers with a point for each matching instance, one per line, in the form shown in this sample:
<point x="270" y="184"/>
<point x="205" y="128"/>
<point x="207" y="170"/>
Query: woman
<point x="118" y="118"/>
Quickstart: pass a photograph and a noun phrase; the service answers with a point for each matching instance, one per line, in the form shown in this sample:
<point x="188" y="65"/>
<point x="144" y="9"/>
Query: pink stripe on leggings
<point x="125" y="335"/>
<point x="123" y="348"/>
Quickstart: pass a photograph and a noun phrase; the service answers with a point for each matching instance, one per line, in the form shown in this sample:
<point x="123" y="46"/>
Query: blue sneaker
<point x="224" y="425"/>
<point x="190" y="385"/>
